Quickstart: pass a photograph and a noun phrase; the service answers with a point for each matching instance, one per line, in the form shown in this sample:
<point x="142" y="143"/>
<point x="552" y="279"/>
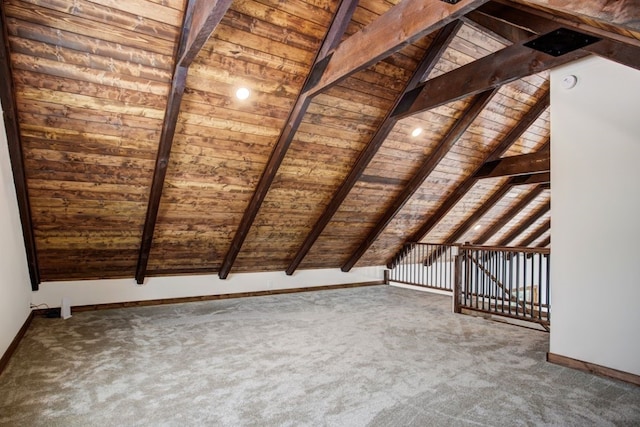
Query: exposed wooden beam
<point x="543" y="228"/>
<point x="536" y="178"/>
<point x="508" y="216"/>
<point x="178" y="84"/>
<point x="206" y="16"/>
<point x="334" y="34"/>
<point x="504" y="66"/>
<point x="441" y="150"/>
<point x="522" y="227"/>
<point x="401" y="25"/>
<point x="624" y="50"/>
<point x="429" y="60"/>
<point x="14" y="143"/>
<point x="546" y="242"/>
<point x="524" y="164"/>
<point x="462" y="189"/>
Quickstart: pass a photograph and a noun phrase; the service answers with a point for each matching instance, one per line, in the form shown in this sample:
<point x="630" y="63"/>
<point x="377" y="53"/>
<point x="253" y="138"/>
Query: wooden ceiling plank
<point x="172" y="111"/>
<point x="429" y="60"/>
<point x="401" y="25"/>
<point x="205" y="18"/>
<point x="508" y="216"/>
<point x="472" y="112"/>
<point x="522" y="227"/>
<point x="543" y="228"/>
<point x="467" y="224"/>
<point x="336" y="30"/>
<point x="621" y="13"/>
<point x="624" y="50"/>
<point x="16" y="156"/>
<point x="513" y="135"/>
<point x="502" y="67"/>
<point x="539" y="21"/>
<point x="525" y="164"/>
<point x="480" y="212"/>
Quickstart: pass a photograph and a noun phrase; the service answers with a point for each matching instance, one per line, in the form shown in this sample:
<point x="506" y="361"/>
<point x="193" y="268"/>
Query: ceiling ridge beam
<point x="524" y="164"/>
<point x="439" y="152"/>
<point x="536" y="215"/>
<point x="335" y="32"/>
<point x="543" y="228"/>
<point x="403" y="24"/>
<point x="428" y="61"/>
<point x="529" y="118"/>
<point x="622" y="49"/>
<point x="509" y="215"/>
<point x="188" y="47"/>
<point x="16" y="156"/>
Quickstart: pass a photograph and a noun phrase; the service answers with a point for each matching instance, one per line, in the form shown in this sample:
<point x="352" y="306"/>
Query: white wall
<point x="595" y="171"/>
<point x="122" y="290"/>
<point x="15" y="287"/>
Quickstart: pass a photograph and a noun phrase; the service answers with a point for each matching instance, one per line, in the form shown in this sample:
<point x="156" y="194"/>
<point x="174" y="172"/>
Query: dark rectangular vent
<point x="561" y="41"/>
<point x="451" y="1"/>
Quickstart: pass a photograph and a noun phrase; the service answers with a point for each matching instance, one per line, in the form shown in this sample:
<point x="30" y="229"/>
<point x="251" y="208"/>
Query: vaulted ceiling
<point x="132" y="155"/>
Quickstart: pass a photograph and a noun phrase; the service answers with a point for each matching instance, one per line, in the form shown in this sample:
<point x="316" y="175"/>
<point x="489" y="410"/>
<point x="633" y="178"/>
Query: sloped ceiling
<point x="132" y="155"/>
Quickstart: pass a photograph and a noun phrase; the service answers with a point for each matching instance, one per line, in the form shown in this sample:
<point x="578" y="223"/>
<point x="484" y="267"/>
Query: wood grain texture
<point x="92" y="79"/>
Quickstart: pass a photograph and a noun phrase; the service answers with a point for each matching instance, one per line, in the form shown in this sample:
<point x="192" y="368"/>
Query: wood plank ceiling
<point x="133" y="157"/>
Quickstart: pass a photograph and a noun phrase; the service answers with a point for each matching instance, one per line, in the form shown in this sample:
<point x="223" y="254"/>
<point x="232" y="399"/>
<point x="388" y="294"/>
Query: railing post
<point x="457" y="280"/>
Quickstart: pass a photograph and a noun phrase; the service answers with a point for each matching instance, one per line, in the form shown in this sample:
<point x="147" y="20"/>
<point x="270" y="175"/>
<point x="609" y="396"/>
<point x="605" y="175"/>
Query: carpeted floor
<point x="379" y="356"/>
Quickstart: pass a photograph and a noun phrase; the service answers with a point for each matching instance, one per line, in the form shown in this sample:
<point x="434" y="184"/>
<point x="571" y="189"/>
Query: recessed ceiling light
<point x="242" y="93"/>
<point x="416" y="132"/>
<point x="477" y="227"/>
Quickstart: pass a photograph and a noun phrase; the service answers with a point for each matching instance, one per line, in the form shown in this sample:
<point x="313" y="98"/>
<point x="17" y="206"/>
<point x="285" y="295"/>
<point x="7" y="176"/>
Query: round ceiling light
<point x="242" y="93"/>
<point x="416" y="132"/>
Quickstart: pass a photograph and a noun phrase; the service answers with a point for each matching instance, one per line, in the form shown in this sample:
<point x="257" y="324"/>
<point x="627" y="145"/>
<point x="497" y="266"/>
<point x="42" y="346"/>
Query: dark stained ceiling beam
<point x="621" y="49"/>
<point x="497" y="69"/>
<point x="334" y="34"/>
<point x="14" y="143"/>
<point x="205" y="17"/>
<point x="401" y="25"/>
<point x="546" y="242"/>
<point x="509" y="215"/>
<point x="462" y="189"/>
<point x="525" y="164"/>
<point x="536" y="178"/>
<point x="522" y="227"/>
<point x="429" y="60"/>
<point x="543" y="228"/>
<point x="441" y="150"/>
<point x="216" y="11"/>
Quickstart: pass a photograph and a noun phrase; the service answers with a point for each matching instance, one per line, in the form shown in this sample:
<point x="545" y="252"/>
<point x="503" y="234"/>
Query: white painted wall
<point x="121" y="290"/>
<point x="15" y="287"/>
<point x="595" y="170"/>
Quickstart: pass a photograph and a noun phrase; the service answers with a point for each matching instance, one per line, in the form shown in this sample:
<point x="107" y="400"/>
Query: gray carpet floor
<point x="379" y="356"/>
